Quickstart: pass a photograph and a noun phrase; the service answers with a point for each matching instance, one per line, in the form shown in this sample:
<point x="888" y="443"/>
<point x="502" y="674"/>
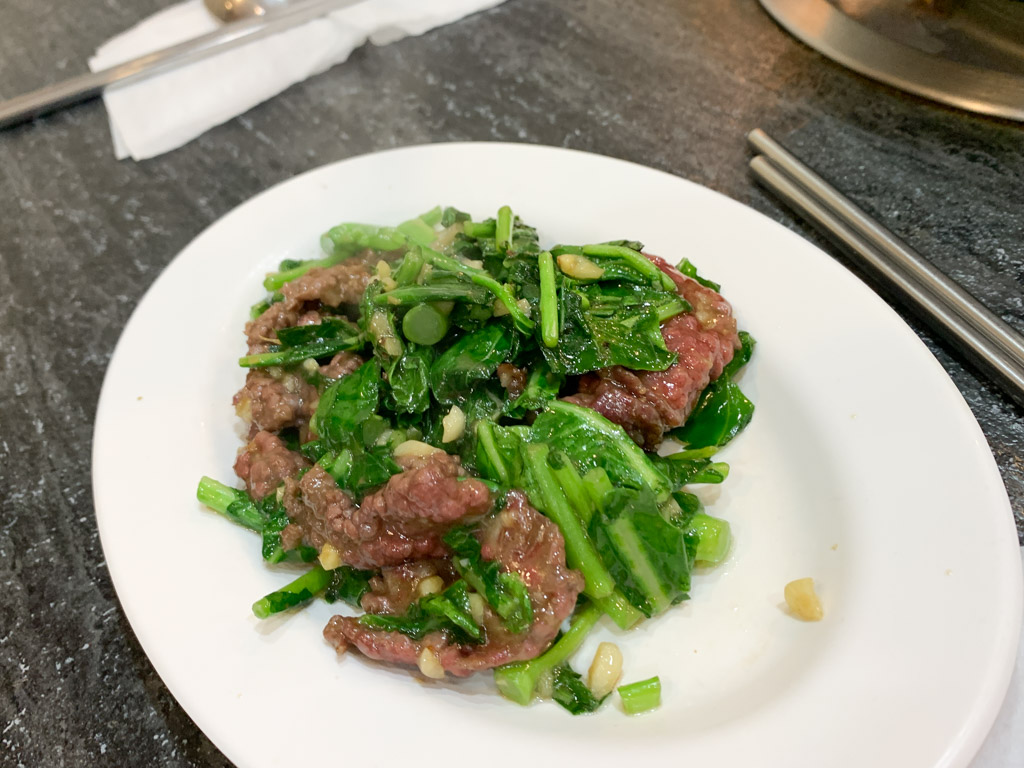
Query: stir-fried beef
<point x="265" y="463"/>
<point x="271" y="401"/>
<point x="335" y="286"/>
<point x="341" y="364"/>
<point x="404" y="520"/>
<point x="524" y="542"/>
<point x="261" y="333"/>
<point x="649" y="403"/>
<point x="394" y="589"/>
<point x="512" y="378"/>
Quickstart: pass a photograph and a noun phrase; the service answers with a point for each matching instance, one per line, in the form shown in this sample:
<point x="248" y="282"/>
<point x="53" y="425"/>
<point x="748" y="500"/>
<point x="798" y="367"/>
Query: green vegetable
<point x="504" y="591"/>
<point x="541" y="386"/>
<point x="722" y="411"/>
<point x="714" y="537"/>
<point x="569" y="690"/>
<point x="478" y="229"/>
<point x="305" y="342"/>
<point x="518" y="680"/>
<point x="683" y="468"/>
<point x="688" y="269"/>
<point x="266" y="516"/>
<point x="591" y="441"/>
<point x="635" y="260"/>
<point x="437" y="289"/>
<point x="548" y="300"/>
<point x="347" y="403"/>
<point x="424" y="325"/>
<point x="472" y="359"/>
<point x="546" y="495"/>
<point x="523" y="323"/>
<point x="605" y="325"/>
<point x="339" y="243"/>
<point x="304" y="588"/>
<point x="408" y="380"/>
<point x="503" y="228"/>
<point x="448" y="610"/>
<point x="645" y="553"/>
<point x="348" y="584"/>
<point x="642" y="696"/>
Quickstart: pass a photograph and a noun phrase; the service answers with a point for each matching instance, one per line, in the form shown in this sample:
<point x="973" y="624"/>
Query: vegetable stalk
<point x="304" y="588"/>
<point x="518" y="680"/>
<point x="580" y="551"/>
<point x="548" y="300"/>
<point x="642" y="696"/>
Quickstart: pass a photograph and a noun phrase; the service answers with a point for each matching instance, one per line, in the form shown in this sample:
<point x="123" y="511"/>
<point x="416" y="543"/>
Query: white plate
<point x="863" y="468"/>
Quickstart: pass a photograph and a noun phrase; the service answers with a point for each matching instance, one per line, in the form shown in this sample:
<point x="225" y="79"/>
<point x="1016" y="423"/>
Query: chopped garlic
<point x="605" y="670"/>
<point x="454" y="425"/>
<point x="580" y="267"/>
<point x="414" y="448"/>
<point x="500" y="309"/>
<point x="392" y="346"/>
<point x="803" y="601"/>
<point x="431" y="585"/>
<point x="330" y="558"/>
<point x="429" y="664"/>
<point x="476" y="607"/>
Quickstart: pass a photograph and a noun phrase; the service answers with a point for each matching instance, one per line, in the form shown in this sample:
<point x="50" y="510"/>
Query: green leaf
<point x="569" y="690"/>
<point x="408" y="377"/>
<point x="448" y="610"/>
<point x="472" y="359"/>
<point x="348" y="584"/>
<point x="591" y="441"/>
<point x="347" y="403"/>
<point x="645" y="553"/>
<point x="722" y="410"/>
<point x="504" y="591"/>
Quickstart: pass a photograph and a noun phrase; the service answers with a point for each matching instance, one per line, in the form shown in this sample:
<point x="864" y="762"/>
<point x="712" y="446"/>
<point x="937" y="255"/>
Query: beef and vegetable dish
<point x="457" y="430"/>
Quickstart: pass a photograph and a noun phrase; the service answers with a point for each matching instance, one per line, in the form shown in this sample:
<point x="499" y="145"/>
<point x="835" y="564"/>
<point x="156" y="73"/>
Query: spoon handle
<point x="84" y="87"/>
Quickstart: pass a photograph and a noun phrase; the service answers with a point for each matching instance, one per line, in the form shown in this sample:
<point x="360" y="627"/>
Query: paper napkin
<point x="164" y="112"/>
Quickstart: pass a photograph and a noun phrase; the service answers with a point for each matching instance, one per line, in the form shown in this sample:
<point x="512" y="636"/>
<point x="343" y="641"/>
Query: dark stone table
<point x="82" y="236"/>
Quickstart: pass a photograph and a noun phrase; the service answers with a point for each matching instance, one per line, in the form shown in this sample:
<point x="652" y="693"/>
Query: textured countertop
<point x="672" y="85"/>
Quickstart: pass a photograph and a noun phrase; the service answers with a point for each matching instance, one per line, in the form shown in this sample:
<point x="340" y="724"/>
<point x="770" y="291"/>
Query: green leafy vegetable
<point x="505" y="592"/>
<point x="592" y="441"/>
<point x="642" y="696"/>
<point x="348" y="585"/>
<point x="518" y="681"/>
<point x="347" y="403"/>
<point x="299" y="591"/>
<point x="448" y="610"/>
<point x="722" y="410"/>
<point x="306" y="342"/>
<point x="542" y="385"/>
<point x="714" y="536"/>
<point x="569" y="690"/>
<point x="266" y="516"/>
<point x="472" y="359"/>
<point x="645" y="553"/>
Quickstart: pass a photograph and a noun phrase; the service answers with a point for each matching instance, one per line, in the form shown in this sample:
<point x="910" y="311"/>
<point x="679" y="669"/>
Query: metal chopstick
<point x="77" y="89"/>
<point x="947" y="319"/>
<point x="885" y="241"/>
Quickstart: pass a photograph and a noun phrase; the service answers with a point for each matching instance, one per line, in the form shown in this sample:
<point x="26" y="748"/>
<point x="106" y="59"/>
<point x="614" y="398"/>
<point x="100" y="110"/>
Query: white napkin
<point x="163" y="112"/>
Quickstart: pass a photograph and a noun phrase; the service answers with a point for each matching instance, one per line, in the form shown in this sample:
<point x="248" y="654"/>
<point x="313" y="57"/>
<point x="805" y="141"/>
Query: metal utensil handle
<point x="946" y="320"/>
<point x="83" y="87"/>
<point x="887" y="242"/>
